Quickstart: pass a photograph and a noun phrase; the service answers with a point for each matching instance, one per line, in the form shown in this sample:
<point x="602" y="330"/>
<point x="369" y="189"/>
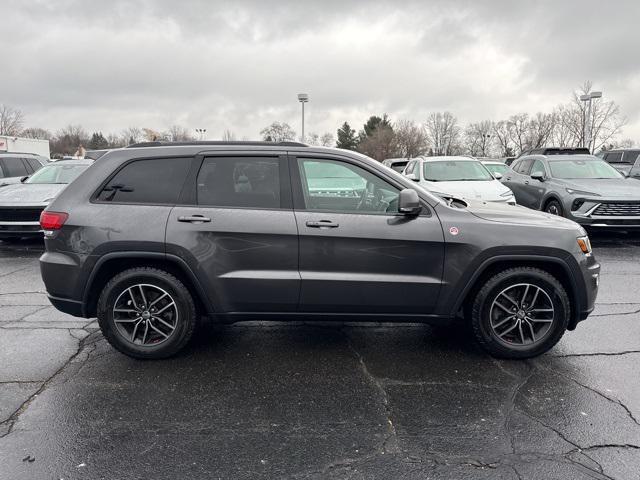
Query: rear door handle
<point x="526" y="182"/>
<point x="194" y="219"/>
<point x="322" y="224"/>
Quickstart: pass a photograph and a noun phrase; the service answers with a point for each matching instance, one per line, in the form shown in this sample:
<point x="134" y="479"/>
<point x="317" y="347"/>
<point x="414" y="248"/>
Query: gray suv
<point x="153" y="237"/>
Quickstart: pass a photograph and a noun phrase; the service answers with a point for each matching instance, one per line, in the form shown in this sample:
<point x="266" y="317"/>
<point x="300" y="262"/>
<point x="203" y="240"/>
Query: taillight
<point x="52" y="220"/>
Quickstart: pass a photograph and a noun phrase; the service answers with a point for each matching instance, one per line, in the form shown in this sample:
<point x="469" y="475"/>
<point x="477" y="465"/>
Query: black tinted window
<point x="614" y="157"/>
<point x="13" y="167"/>
<point x="523" y="166"/>
<point x="156" y="181"/>
<point x="35" y="164"/>
<point x="251" y="182"/>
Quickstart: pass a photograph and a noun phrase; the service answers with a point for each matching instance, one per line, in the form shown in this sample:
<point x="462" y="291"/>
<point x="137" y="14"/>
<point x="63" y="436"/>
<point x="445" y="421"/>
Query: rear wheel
<point x="146" y="313"/>
<point x="553" y="207"/>
<point x="520" y="313"/>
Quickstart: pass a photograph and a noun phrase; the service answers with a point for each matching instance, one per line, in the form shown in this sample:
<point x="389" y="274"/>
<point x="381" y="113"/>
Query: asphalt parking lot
<point x="275" y="400"/>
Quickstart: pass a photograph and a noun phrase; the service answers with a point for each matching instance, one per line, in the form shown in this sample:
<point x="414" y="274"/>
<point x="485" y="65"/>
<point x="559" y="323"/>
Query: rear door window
<point x="13" y="167"/>
<point x="614" y="157"/>
<point x="241" y="182"/>
<point x="153" y="181"/>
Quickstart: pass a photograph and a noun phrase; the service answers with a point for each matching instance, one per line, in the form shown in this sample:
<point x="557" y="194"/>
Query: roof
<point x="448" y="159"/>
<point x="220" y="143"/>
<point x="73" y="162"/>
<point x="494" y="162"/>
<point x="22" y="153"/>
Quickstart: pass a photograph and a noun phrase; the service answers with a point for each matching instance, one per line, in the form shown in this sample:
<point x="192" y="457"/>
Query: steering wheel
<point x="363" y="197"/>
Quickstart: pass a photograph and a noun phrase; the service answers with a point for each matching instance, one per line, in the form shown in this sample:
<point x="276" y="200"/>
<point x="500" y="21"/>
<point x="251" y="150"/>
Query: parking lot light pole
<point x="201" y="132"/>
<point x="586" y="131"/>
<point x="303" y="98"/>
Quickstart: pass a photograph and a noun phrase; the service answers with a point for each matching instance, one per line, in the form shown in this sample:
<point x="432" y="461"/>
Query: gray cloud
<point x="239" y="64"/>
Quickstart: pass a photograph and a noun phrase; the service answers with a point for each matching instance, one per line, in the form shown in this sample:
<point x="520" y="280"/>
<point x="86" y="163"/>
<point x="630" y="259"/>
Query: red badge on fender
<point x="454" y="230"/>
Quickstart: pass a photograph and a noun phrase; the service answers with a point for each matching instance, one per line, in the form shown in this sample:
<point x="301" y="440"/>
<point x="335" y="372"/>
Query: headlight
<point x="508" y="193"/>
<point x="572" y="191"/>
<point x="584" y="244"/>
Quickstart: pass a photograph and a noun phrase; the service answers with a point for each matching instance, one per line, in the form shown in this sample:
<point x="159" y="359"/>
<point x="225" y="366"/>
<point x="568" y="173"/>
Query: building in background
<point x="12" y="144"/>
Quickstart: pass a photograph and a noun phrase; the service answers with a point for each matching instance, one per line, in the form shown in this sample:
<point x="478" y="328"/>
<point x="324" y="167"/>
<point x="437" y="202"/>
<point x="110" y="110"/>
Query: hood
<point x="470" y="190"/>
<point x="29" y="193"/>
<point x="518" y="215"/>
<point x="606" y="187"/>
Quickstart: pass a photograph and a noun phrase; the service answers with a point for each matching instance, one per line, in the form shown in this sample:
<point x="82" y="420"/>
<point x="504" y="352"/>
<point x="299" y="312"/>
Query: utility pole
<point x="303" y="98"/>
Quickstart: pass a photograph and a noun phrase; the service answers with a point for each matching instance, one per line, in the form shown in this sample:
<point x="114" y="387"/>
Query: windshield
<point x="57" y="174"/>
<point x="455" y="170"/>
<point x="571" y="169"/>
<point x="399" y="166"/>
<point x="497" y="168"/>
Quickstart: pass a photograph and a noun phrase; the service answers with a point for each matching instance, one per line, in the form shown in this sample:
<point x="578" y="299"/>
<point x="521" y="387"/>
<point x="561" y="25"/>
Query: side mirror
<point x="538" y="176"/>
<point x="412" y="176"/>
<point x="497" y="175"/>
<point x="409" y="202"/>
<point x="625" y="173"/>
<point x="22" y="180"/>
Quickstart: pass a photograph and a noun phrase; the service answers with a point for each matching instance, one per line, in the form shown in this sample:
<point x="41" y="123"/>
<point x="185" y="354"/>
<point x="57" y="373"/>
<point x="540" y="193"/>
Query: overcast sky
<point x="239" y="64"/>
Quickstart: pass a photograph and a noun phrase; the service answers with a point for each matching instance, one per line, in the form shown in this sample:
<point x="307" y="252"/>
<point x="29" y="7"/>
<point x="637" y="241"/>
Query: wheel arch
<point x="552" y="265"/>
<point x="113" y="263"/>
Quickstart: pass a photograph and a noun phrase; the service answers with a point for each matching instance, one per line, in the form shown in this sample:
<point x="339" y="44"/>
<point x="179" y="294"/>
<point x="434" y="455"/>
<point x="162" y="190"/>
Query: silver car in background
<point x="21" y="204"/>
<point x="16" y="166"/>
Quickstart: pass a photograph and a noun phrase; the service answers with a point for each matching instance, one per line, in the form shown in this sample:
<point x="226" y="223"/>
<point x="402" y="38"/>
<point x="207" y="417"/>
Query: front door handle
<point x="322" y="224"/>
<point x="526" y="182"/>
<point x="194" y="219"/>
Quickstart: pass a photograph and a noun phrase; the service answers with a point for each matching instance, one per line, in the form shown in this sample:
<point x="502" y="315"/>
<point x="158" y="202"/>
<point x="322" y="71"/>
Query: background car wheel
<point x="146" y="313"/>
<point x="520" y="313"/>
<point x="554" y="207"/>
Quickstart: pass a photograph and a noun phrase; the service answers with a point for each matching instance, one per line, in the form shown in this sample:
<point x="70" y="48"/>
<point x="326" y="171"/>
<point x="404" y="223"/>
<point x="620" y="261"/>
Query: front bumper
<point x="20" y="229"/>
<point x="19" y="220"/>
<point x="598" y="212"/>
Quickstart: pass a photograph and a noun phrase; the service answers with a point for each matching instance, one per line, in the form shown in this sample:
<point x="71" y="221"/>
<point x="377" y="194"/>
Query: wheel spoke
<point x="127" y="320"/>
<point x="535" y="297"/>
<point x="146" y="330"/>
<point x="168" y="325"/>
<point x="515" y="324"/>
<point x="524" y="297"/>
<point x="158" y="330"/>
<point x="144" y="299"/>
<point x="541" y="310"/>
<point x="533" y="333"/>
<point x="125" y="310"/>
<point x="515" y="304"/>
<point x="133" y="299"/>
<point x="164" y="308"/>
<point x="498" y="304"/>
<point x="540" y="320"/>
<point x="504" y="320"/>
<point x="521" y="334"/>
<point x="135" y="330"/>
<point x="157" y="300"/>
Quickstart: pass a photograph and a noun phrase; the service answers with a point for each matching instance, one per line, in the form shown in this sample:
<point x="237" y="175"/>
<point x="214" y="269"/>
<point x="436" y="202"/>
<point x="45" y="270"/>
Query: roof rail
<point x="216" y="142"/>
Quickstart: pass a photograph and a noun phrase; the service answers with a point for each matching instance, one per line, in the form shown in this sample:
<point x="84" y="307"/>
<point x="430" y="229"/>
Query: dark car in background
<point x="15" y="166"/>
<point x="625" y="160"/>
<point x="21" y="204"/>
<point x="583" y="188"/>
<point x="555" y="151"/>
<point x="396" y="164"/>
<point x="150" y="239"/>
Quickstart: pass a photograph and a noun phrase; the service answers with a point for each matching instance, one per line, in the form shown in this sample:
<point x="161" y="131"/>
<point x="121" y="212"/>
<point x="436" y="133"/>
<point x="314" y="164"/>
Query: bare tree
<point x="502" y="138"/>
<point x="380" y="144"/>
<point x="540" y="129"/>
<point x="69" y="140"/>
<point x="443" y="133"/>
<point x="36" y="132"/>
<point x="478" y="137"/>
<point x="518" y="131"/>
<point x="328" y="140"/>
<point x="11" y="120"/>
<point x="312" y="138"/>
<point x="278" y="132"/>
<point x="228" y="136"/>
<point x="131" y="135"/>
<point x="178" y="133"/>
<point x="410" y="139"/>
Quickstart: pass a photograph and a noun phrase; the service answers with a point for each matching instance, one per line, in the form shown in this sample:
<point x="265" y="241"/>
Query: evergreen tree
<point x="98" y="142"/>
<point x="347" y="138"/>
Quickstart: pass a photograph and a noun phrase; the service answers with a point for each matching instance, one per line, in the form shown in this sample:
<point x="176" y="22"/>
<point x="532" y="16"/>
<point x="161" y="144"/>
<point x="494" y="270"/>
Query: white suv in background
<point x="462" y="177"/>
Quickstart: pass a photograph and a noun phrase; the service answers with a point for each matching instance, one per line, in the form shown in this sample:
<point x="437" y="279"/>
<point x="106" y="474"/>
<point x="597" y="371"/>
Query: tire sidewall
<point x="496" y="285"/>
<point x="170" y="285"/>
<point x="557" y="205"/>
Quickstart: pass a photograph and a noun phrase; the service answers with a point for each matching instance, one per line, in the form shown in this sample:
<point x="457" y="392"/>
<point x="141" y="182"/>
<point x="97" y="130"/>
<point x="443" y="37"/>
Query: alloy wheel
<point x="145" y="315"/>
<point x="521" y="315"/>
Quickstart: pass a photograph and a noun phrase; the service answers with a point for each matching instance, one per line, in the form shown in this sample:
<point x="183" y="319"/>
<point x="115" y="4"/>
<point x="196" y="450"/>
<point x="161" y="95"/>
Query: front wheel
<point x="520" y="313"/>
<point x="146" y="313"/>
<point x="554" y="208"/>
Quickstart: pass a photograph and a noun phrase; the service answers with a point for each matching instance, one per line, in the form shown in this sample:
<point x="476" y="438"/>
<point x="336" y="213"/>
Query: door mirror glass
<point x="409" y="202"/>
<point x="497" y="175"/>
<point x="538" y="176"/>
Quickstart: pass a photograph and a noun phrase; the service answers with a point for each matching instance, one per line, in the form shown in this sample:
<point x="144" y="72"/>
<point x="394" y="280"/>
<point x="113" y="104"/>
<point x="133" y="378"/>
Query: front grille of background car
<point x="618" y="209"/>
<point x="20" y="214"/>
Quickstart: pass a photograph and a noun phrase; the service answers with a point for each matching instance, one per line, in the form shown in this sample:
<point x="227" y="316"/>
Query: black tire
<point x="511" y="280"/>
<point x="185" y="313"/>
<point x="554" y="207"/>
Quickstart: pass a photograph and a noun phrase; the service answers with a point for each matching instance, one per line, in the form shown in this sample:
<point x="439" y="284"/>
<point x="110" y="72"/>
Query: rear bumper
<point x="65" y="305"/>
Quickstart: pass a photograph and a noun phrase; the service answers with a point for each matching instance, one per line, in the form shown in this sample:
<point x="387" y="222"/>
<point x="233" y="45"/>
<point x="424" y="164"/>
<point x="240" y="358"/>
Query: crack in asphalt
<point x="13" y="418"/>
<point x="511" y="405"/>
<point x="14" y="271"/>
<point x="596" y="354"/>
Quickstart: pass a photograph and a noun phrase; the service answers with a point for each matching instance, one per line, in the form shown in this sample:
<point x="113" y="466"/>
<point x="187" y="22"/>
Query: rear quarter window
<point x="150" y="181"/>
